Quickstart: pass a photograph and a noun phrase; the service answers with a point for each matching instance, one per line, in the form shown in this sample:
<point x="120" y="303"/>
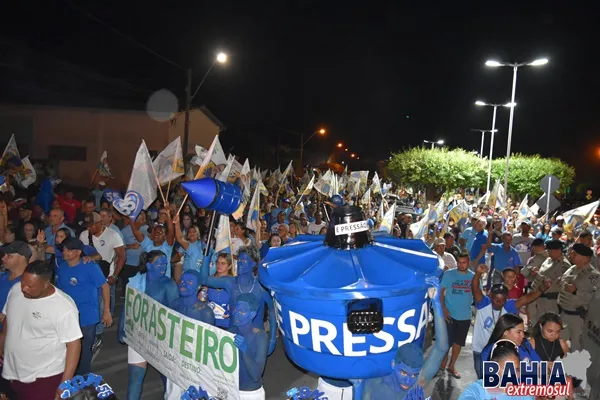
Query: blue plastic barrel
<point x="316" y="284"/>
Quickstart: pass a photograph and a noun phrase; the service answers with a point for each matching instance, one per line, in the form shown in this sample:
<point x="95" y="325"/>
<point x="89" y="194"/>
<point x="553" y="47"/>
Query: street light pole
<point x="482" y="141"/>
<point x="189" y="97"/>
<point x="510" y="128"/>
<point x="489" y="177"/>
<point x="490" y="63"/>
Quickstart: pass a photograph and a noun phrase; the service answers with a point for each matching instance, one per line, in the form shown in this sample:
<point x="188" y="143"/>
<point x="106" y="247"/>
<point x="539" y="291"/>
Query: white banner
<point x="186" y="351"/>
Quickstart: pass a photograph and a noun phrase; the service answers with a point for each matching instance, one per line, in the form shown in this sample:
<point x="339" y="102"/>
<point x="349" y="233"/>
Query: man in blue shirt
<point x="81" y="281"/>
<point x="15" y="260"/>
<point x="456" y="298"/>
<point x="285" y="208"/>
<point x="505" y="256"/>
<point x="57" y="221"/>
<point x="468" y="236"/>
<point x="480" y="243"/>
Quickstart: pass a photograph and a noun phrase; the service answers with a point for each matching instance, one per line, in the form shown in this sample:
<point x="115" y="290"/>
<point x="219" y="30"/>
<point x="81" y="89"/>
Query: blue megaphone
<point x="211" y="194"/>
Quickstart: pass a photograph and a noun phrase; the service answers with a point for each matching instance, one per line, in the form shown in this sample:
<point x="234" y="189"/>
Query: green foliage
<point x="454" y="169"/>
<point x="526" y="171"/>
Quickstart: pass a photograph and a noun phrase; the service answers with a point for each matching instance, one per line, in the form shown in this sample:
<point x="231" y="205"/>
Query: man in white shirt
<point x="446" y="259"/>
<point x="109" y="245"/>
<point x="315" y="227"/>
<point x="40" y="339"/>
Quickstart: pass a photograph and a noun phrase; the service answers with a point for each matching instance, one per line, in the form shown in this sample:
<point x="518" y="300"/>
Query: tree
<point x="455" y="169"/>
<point x="526" y="171"/>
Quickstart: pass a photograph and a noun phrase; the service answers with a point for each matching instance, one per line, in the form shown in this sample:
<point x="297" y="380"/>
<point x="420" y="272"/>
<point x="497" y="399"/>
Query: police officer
<point x="578" y="285"/>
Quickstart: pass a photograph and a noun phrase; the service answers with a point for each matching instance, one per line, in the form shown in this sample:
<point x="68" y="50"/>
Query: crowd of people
<point x="67" y="267"/>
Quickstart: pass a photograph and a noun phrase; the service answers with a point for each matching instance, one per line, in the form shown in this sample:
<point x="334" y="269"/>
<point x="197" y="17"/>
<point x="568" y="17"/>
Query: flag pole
<point x="94" y="177"/>
<point x="171" y="177"/>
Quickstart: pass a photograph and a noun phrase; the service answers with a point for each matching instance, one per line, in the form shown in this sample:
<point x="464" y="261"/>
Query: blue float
<point x="346" y="301"/>
<point x="212" y="194"/>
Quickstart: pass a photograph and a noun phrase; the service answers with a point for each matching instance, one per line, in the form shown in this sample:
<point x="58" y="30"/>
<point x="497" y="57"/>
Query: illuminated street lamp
<point x="352" y="155"/>
<point x="439" y="142"/>
<point x="303" y="142"/>
<point x="515" y="67"/>
<point x="484" y="104"/>
<point x="221" y="58"/>
<point x="339" y="145"/>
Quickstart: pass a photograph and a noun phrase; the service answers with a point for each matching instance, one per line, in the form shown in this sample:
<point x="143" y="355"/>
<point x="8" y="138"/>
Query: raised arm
<point x="210" y="281"/>
<point x="476" y="282"/>
<point x="139" y="236"/>
<point x="533" y="295"/>
<point x="178" y="234"/>
<point x="440" y="349"/>
<point x="484" y="247"/>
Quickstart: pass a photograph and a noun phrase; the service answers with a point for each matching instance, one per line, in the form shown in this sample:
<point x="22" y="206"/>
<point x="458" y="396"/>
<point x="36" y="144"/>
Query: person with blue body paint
<point x="193" y="305"/>
<point x="161" y="237"/>
<point x="152" y="281"/>
<point x="252" y="343"/>
<point x="409" y="372"/>
<point x="245" y="282"/>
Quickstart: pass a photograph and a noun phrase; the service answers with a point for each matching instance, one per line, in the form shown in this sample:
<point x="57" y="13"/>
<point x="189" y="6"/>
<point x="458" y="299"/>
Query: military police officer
<point x="551" y="269"/>
<point x="578" y="285"/>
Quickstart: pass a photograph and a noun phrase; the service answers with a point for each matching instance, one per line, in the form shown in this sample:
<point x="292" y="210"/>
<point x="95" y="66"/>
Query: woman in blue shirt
<point x="545" y="233"/>
<point x="219" y="298"/>
<point x="504" y="351"/>
<point x="191" y="247"/>
<point x="511" y="327"/>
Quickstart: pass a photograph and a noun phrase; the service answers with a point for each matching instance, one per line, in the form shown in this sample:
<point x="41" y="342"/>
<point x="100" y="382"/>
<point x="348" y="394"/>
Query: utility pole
<point x="188" y="105"/>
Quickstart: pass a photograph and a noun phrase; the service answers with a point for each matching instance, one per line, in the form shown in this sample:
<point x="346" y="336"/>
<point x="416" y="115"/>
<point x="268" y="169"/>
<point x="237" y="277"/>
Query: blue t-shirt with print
<point x="82" y="282"/>
<point x="133" y="255"/>
<point x="469" y="236"/>
<point x="504" y="259"/>
<point x="458" y="296"/>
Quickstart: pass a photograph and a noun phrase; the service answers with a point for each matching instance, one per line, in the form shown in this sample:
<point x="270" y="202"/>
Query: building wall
<point x="118" y="132"/>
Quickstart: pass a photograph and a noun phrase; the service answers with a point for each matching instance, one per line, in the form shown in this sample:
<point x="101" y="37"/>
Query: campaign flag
<point x="11" y="154"/>
<point x="576" y="217"/>
<point x="494" y="196"/>
<point x="375" y="184"/>
<point x="286" y="172"/>
<point x="224" y="176"/>
<point x="299" y="209"/>
<point x="212" y="161"/>
<point x="419" y="229"/>
<point x="366" y="199"/>
<point x="141" y="191"/>
<point x="361" y="177"/>
<point x="523" y="209"/>
<point x="387" y="223"/>
<point x="459" y="211"/>
<point x="26" y="175"/>
<point x="246" y="177"/>
<point x="103" y="168"/>
<point x="253" y="218"/>
<point x="45" y="196"/>
<point x="307" y="189"/>
<point x="325" y="184"/>
<point x="223" y="235"/>
<point x="169" y="162"/>
<point x="263" y="174"/>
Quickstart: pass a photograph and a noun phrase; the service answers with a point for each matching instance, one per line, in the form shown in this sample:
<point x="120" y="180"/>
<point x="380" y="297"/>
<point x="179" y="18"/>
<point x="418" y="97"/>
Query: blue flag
<point x="46" y="196"/>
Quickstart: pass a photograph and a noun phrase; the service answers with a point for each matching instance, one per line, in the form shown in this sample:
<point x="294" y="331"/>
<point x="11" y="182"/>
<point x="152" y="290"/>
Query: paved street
<point x="280" y="375"/>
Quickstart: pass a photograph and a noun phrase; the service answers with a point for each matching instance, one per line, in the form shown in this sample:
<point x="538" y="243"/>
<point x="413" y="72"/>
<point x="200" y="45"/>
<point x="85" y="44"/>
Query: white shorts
<point x="334" y="392"/>
<point x="258" y="394"/>
<point x="172" y="391"/>
<point x="133" y="357"/>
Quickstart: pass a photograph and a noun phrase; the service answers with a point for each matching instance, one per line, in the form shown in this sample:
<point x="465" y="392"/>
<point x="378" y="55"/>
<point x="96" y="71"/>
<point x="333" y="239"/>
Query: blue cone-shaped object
<point x="346" y="302"/>
<point x="211" y="194"/>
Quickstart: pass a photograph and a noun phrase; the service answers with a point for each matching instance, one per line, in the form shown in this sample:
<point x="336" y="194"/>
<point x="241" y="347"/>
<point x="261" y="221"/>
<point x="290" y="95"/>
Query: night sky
<point x="357" y="69"/>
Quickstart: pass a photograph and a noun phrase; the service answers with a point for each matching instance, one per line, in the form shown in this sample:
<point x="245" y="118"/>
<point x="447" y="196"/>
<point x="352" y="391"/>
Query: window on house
<point x="67" y="153"/>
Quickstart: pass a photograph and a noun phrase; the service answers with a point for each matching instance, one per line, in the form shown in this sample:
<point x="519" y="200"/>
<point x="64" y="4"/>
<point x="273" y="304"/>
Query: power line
<point x="115" y="30"/>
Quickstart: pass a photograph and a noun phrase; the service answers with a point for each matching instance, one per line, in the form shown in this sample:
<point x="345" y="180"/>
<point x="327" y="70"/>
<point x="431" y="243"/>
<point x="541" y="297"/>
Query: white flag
<point x="168" y="165"/>
<point x="387" y="224"/>
<point x="143" y="179"/>
<point x="253" y="218"/>
<point x="225" y="174"/>
<point x="375" y="184"/>
<point x="26" y="175"/>
<point x="223" y="235"/>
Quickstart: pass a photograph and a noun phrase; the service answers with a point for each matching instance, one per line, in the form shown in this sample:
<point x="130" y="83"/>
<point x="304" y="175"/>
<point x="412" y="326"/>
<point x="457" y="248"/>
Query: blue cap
<point x="211" y="194"/>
